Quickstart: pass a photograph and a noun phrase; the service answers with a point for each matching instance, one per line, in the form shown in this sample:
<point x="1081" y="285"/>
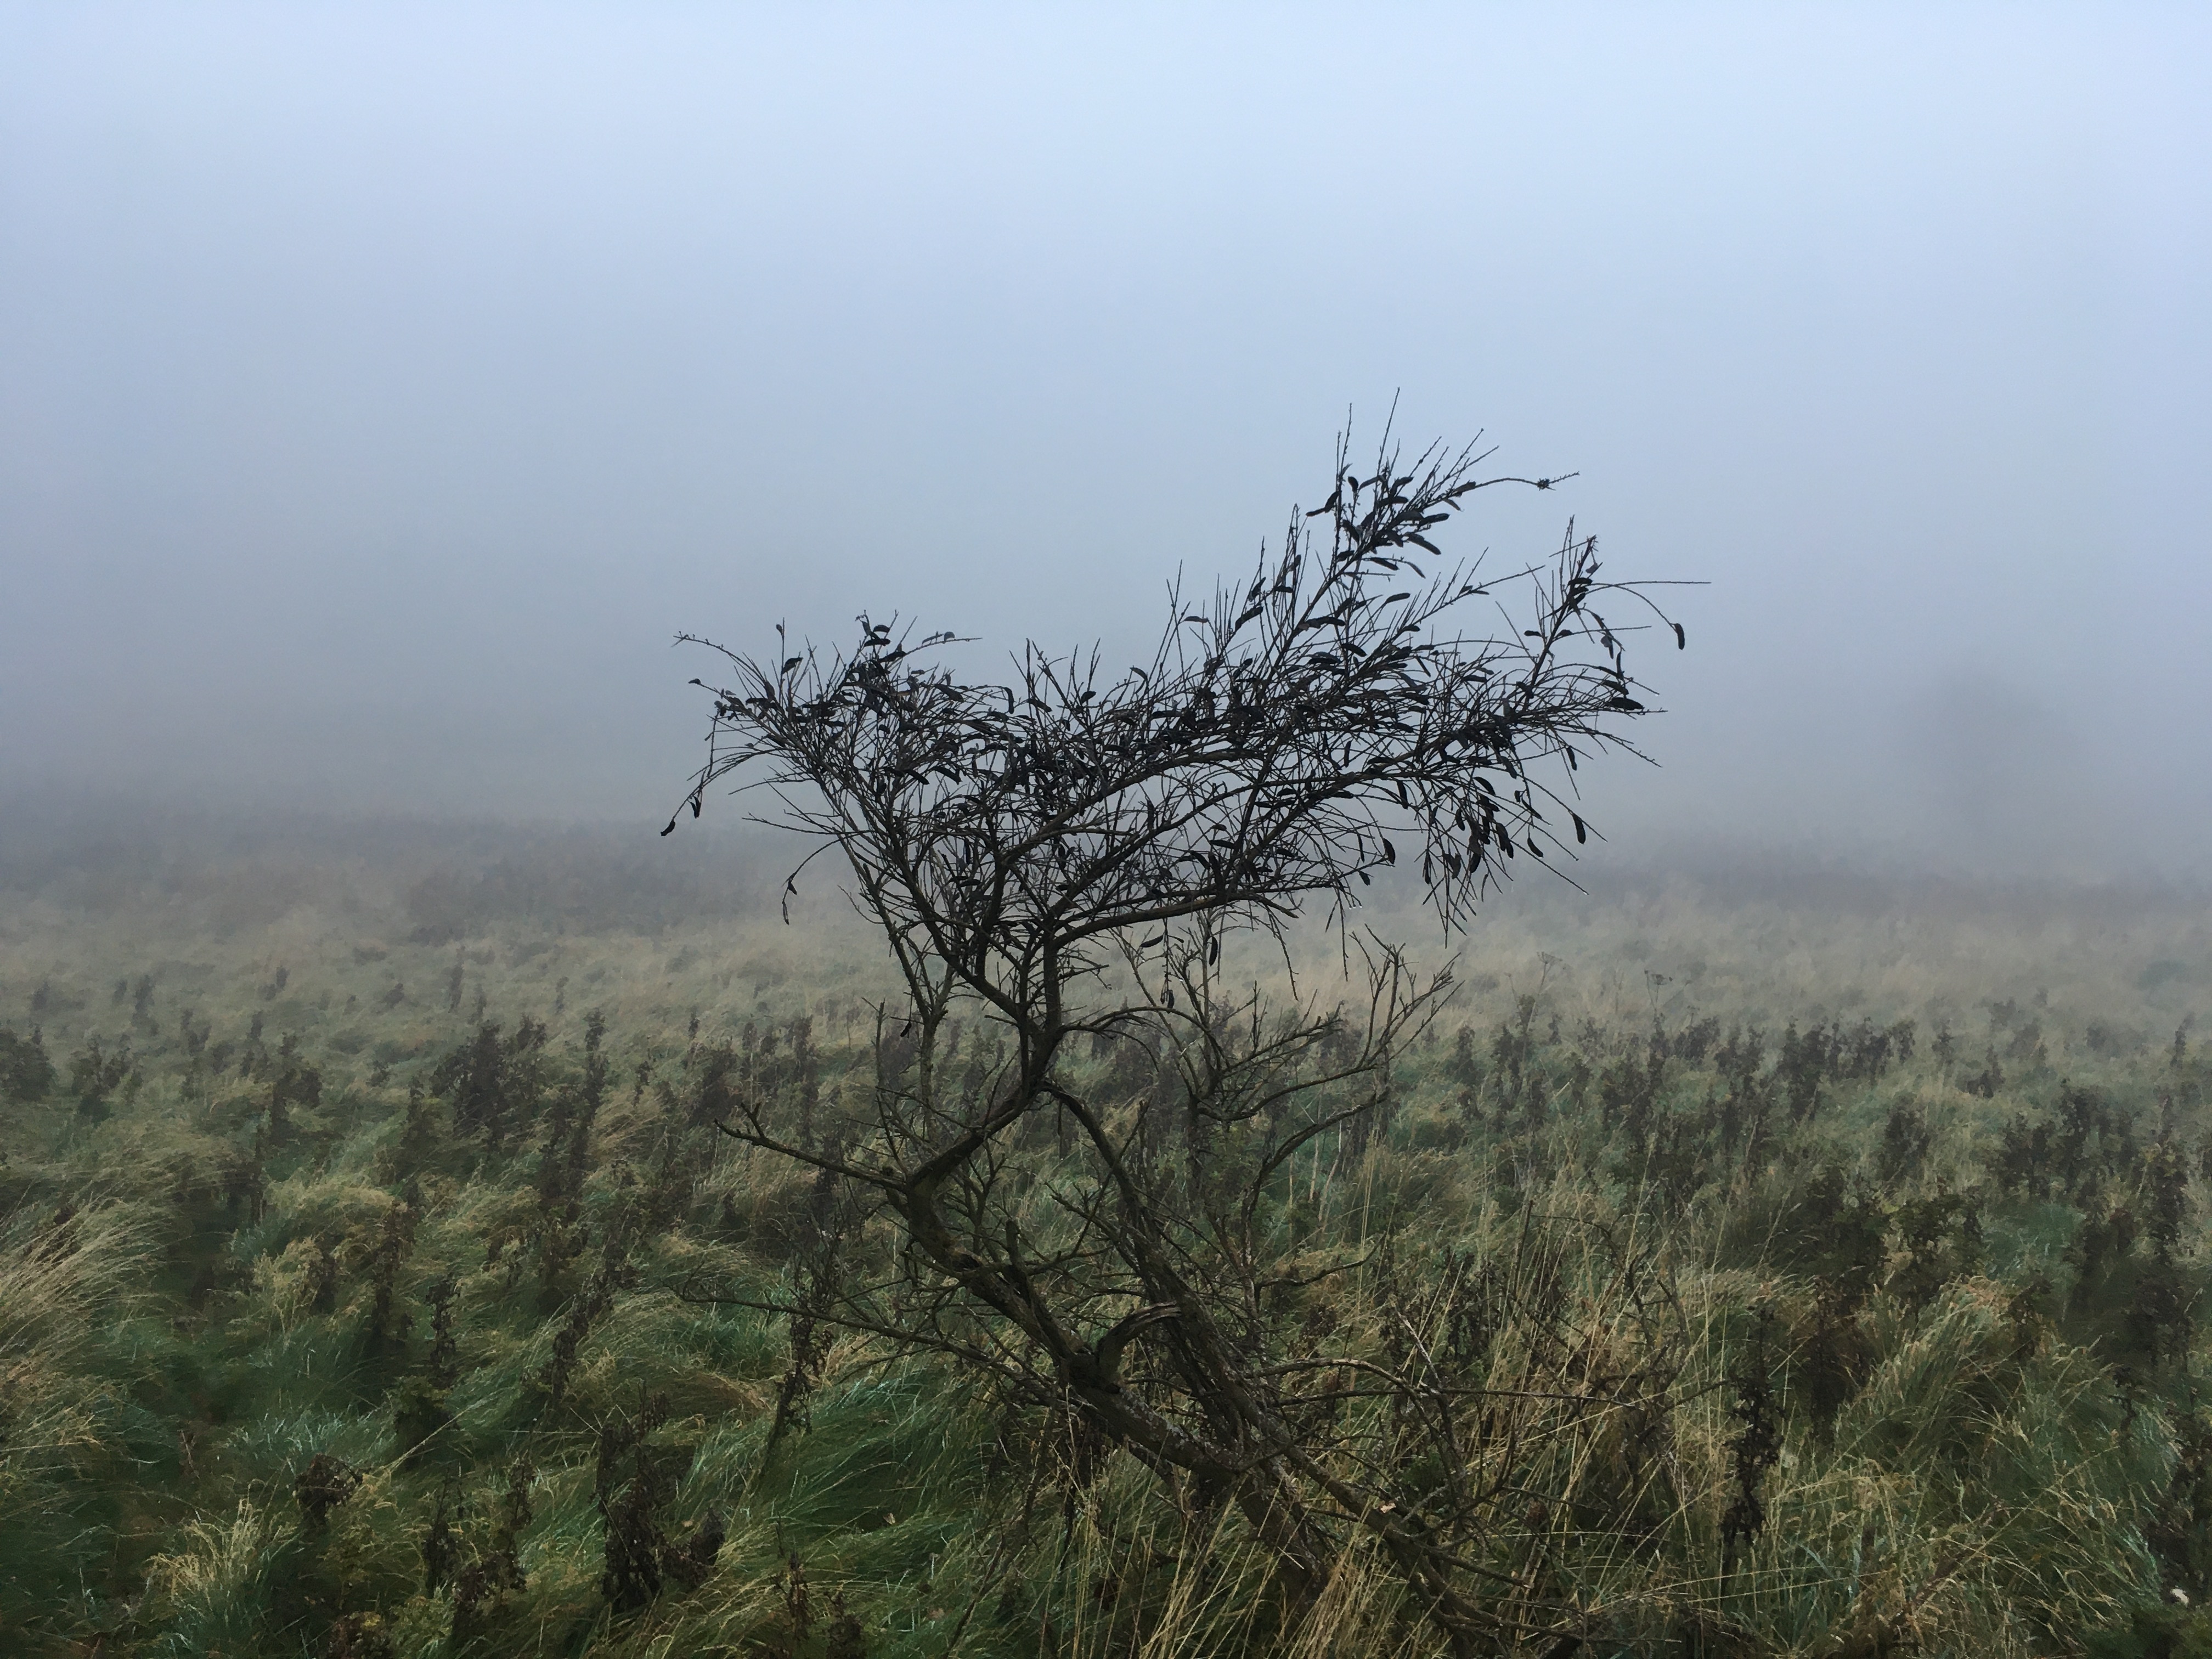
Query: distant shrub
<point x="25" y="1073"/>
<point x="96" y="1072"/>
<point x="1905" y="1138"/>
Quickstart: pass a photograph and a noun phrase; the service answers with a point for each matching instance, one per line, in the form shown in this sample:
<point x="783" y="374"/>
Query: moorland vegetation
<point x="1814" y="1280"/>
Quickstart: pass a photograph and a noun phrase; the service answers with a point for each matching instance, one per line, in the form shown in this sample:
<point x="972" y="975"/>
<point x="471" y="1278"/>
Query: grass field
<point x="344" y="1212"/>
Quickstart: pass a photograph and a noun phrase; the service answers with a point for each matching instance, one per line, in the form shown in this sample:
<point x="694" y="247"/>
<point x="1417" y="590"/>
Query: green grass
<point x="2001" y="1479"/>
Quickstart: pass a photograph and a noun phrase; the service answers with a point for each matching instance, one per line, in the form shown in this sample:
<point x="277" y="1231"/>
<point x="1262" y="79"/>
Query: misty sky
<point x="381" y="388"/>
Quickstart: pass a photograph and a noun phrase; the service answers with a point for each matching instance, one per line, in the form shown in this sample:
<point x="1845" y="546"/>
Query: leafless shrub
<point x="1060" y="859"/>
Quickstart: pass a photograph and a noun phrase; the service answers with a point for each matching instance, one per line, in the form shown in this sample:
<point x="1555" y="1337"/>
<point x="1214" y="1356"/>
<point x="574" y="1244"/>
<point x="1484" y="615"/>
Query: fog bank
<point x="385" y="388"/>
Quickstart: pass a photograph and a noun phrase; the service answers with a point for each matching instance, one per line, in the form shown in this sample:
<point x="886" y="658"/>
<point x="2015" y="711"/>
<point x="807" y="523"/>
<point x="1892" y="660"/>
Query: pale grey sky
<point x="380" y="388"/>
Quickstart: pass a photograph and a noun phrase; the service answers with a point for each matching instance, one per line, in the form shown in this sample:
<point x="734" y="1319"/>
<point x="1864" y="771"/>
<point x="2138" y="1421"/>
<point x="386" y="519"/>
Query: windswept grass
<point x="292" y="1367"/>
